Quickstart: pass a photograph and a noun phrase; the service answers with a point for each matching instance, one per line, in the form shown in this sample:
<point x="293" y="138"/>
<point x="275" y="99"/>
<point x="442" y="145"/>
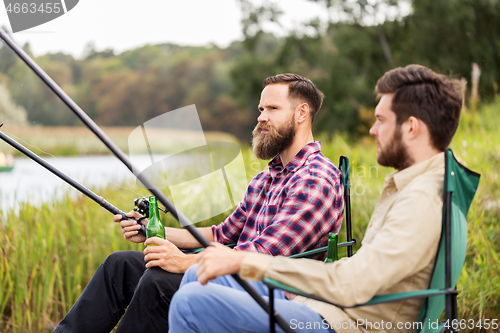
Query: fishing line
<point x="19" y="139"/>
<point x="126" y="188"/>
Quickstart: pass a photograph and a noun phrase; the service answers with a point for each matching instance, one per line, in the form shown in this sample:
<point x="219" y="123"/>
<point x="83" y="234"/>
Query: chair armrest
<point x="193" y="251"/>
<point x="273" y="284"/>
<point x="408" y="295"/>
<point x="307" y="254"/>
<point x="310" y="254"/>
<point x="320" y="250"/>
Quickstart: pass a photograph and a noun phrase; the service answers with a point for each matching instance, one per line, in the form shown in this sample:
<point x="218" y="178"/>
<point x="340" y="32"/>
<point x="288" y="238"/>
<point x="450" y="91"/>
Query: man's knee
<point x="156" y="281"/>
<point x="190" y="275"/>
<point x="122" y="262"/>
<point x="190" y="294"/>
<point x="181" y="312"/>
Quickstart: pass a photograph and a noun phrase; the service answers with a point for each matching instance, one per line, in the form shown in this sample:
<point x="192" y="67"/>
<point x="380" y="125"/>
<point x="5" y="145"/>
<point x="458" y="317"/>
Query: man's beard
<point x="395" y="153"/>
<point x="267" y="145"/>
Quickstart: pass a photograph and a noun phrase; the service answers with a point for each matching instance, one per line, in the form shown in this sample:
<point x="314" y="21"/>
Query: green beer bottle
<point x="155" y="227"/>
<point x="331" y="253"/>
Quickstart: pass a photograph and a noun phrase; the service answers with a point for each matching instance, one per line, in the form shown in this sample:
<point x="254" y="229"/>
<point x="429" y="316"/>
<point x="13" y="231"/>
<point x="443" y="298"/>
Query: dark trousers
<point x="121" y="283"/>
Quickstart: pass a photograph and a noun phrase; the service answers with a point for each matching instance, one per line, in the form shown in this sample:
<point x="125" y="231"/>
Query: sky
<point x="127" y="24"/>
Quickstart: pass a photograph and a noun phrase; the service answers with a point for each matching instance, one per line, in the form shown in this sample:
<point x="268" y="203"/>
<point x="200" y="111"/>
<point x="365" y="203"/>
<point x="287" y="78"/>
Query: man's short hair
<point x="426" y="95"/>
<point x="300" y="87"/>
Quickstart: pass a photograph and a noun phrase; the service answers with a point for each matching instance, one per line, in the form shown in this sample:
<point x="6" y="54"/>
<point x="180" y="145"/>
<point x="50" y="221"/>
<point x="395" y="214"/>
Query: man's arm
<point x="166" y="253"/>
<point x="179" y="237"/>
<point x="403" y="246"/>
<point x="313" y="208"/>
<point x="183" y="238"/>
<point x="218" y="260"/>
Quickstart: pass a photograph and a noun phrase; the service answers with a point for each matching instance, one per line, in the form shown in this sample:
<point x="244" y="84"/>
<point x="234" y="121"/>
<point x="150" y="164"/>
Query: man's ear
<point x="411" y="127"/>
<point x="302" y="112"/>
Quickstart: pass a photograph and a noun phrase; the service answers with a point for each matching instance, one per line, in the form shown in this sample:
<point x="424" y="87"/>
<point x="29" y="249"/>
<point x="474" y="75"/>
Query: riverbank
<point x="29" y="182"/>
<point x="79" y="141"/>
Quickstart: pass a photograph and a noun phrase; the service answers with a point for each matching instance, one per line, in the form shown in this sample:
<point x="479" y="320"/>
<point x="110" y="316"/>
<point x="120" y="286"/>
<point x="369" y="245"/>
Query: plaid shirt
<point x="287" y="210"/>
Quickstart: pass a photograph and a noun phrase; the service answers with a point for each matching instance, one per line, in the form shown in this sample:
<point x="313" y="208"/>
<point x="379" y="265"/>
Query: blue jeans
<point x="223" y="306"/>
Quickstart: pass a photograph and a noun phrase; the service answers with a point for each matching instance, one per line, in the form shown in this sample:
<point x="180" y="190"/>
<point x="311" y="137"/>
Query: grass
<point x="477" y="142"/>
<point x="50" y="253"/>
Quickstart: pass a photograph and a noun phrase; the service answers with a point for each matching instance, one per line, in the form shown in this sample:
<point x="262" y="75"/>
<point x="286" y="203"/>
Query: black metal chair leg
<point x="272" y="328"/>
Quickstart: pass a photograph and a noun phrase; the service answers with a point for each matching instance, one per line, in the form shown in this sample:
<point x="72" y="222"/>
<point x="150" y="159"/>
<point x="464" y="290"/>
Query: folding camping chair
<point x="460" y="185"/>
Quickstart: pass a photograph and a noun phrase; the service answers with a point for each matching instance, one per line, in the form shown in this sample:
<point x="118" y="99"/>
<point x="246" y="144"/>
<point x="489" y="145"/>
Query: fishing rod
<point x="139" y="202"/>
<point x="177" y="214"/>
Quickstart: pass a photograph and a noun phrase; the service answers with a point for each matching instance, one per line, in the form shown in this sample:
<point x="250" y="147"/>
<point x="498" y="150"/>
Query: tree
<point x="10" y="112"/>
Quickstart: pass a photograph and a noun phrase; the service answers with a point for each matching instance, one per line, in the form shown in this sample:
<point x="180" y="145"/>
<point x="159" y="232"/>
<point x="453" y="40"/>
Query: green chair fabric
<point x="459" y="187"/>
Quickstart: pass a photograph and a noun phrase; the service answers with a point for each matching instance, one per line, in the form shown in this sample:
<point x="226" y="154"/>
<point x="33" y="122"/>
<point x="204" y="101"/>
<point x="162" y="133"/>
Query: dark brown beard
<point x="267" y="145"/>
<point x="395" y="155"/>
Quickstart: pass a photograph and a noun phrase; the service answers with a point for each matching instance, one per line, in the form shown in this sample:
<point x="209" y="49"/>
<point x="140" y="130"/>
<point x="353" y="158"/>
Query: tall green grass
<point x="49" y="254"/>
<point x="478" y="144"/>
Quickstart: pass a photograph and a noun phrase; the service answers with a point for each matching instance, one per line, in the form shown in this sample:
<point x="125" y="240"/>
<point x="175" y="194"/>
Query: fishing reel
<point x="142" y="206"/>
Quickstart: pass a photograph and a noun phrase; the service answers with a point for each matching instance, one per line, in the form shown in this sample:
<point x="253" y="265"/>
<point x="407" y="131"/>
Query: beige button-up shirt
<point x="397" y="255"/>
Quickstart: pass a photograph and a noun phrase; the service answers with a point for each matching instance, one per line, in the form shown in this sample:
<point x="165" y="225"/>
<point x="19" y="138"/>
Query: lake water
<point x="31" y="182"/>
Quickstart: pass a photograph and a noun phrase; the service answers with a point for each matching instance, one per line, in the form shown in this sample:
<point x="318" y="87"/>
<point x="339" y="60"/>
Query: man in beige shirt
<point x="417" y="116"/>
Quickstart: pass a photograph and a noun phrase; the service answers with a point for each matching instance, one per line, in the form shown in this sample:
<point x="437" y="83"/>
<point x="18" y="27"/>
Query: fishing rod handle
<point x="110" y="208"/>
<point x="142" y="231"/>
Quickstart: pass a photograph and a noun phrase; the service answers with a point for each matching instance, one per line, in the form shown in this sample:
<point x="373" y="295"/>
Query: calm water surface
<point x="31" y="182"/>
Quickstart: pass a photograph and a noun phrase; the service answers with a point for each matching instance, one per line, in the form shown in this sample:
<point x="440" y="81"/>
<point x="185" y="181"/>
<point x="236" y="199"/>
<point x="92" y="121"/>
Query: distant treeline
<point x="344" y="59"/>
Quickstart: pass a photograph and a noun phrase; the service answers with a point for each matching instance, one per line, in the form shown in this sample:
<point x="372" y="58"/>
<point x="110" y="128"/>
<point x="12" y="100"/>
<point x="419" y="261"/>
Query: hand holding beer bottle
<point x="159" y="252"/>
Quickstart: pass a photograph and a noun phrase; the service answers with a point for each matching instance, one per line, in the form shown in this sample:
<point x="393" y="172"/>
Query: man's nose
<point x="373" y="131"/>
<point x="262" y="118"/>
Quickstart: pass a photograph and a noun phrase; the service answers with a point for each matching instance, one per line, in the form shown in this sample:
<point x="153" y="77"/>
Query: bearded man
<point x="287" y="209"/>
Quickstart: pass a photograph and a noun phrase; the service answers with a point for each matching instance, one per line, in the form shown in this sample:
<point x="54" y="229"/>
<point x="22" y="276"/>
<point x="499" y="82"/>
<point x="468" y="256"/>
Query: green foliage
<point x="9" y="110"/>
<point x="48" y="256"/>
<point x="344" y="57"/>
<point x="477" y="144"/>
<point x="450" y="35"/>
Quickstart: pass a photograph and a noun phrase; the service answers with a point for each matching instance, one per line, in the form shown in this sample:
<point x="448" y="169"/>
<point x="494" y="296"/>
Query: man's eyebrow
<point x="267" y="106"/>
